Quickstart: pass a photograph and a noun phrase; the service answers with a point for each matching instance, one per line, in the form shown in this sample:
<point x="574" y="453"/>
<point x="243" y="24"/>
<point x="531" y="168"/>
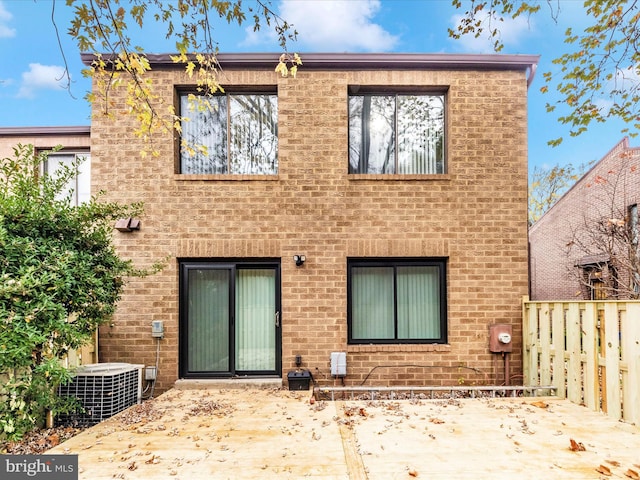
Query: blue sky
<point x="31" y="60"/>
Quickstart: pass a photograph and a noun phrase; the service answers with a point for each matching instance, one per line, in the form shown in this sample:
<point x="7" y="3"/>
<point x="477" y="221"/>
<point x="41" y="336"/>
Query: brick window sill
<point x="401" y="177"/>
<point x="224" y="177"/>
<point x="432" y="347"/>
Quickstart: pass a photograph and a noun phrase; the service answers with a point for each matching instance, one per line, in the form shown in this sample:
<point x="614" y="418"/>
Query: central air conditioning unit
<point x="103" y="389"/>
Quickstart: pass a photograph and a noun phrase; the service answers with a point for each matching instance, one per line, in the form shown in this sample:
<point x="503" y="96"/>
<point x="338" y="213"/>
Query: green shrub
<point x="60" y="278"/>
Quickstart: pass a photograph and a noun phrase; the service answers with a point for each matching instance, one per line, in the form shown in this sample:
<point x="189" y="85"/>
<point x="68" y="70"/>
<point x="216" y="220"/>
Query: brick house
<point x="381" y="212"/>
<point x="568" y="255"/>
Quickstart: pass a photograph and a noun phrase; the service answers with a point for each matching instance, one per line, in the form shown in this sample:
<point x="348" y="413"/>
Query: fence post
<point x="574" y="365"/>
<point x="631" y="356"/>
<point x="544" y="320"/>
<point x="612" y="360"/>
<point x="530" y="347"/>
<point x="558" y="333"/>
<point x="590" y="348"/>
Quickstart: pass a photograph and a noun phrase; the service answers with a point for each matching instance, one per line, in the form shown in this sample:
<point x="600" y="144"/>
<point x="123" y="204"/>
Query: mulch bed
<point x="39" y="441"/>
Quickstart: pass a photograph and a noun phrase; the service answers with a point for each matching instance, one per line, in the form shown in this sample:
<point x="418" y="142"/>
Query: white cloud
<point x="5" y="18"/>
<point x="511" y="33"/>
<point x="603" y="105"/>
<point x="626" y="78"/>
<point x="40" y="77"/>
<point x="336" y="25"/>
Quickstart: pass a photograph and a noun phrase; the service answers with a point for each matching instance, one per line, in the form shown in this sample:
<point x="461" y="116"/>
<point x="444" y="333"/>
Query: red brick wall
<point x="552" y="261"/>
<point x="475" y="215"/>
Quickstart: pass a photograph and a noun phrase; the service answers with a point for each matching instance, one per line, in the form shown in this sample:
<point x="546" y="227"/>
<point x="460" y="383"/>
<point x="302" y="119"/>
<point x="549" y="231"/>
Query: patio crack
<point x="355" y="465"/>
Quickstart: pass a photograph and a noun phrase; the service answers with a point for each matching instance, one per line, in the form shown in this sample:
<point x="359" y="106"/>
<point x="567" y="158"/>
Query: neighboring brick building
<point x="75" y="138"/>
<point x="403" y="271"/>
<point x="566" y="262"/>
<point x="75" y="142"/>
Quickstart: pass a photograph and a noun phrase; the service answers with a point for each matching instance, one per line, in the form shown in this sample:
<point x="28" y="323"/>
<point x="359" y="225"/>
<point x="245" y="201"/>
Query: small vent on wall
<point x="103" y="390"/>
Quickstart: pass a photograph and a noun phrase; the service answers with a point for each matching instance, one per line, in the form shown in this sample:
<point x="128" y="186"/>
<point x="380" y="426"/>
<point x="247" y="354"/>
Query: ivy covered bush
<point x="60" y="278"/>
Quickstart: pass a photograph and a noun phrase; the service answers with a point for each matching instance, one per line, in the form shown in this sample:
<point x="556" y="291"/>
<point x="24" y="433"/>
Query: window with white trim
<point x="79" y="187"/>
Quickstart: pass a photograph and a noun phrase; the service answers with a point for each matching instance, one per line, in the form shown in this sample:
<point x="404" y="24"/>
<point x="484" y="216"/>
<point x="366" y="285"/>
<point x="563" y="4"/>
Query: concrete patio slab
<point x="274" y="433"/>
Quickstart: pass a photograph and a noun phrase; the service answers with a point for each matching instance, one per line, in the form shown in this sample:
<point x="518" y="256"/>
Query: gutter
<point x="532" y="73"/>
<point x="44" y="131"/>
<point x="361" y="61"/>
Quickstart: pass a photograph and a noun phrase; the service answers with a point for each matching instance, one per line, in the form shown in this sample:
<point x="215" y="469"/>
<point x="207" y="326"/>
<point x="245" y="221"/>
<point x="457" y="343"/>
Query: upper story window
<point x="79" y="186"/>
<point x="397" y="301"/>
<point x="229" y="134"/>
<point x="397" y="133"/>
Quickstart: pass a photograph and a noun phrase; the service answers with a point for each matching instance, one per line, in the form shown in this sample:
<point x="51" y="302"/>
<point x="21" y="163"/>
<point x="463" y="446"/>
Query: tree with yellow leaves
<point x="598" y="75"/>
<point x="103" y="27"/>
<point x="549" y="184"/>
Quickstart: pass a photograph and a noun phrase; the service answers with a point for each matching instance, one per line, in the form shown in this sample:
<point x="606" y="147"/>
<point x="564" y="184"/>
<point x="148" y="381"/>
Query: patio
<point x="272" y="433"/>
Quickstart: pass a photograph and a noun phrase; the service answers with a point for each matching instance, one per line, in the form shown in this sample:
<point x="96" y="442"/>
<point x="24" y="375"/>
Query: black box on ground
<point x="299" y="380"/>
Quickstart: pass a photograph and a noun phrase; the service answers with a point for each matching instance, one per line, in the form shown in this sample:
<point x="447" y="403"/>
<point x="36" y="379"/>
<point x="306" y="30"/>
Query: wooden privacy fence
<point x="589" y="351"/>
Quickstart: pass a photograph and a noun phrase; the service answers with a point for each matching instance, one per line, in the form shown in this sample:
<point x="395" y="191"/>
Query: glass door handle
<point x="277" y="319"/>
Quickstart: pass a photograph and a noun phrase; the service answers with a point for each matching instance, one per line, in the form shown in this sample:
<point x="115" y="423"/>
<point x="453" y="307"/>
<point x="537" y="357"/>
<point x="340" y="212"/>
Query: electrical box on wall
<point x="339" y="364"/>
<point x="500" y="338"/>
<point x="150" y="373"/>
<point x="157" y="329"/>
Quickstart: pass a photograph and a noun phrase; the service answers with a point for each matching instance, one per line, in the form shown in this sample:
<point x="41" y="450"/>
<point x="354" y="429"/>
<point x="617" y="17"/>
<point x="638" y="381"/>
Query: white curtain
<point x="235" y="134"/>
<point x="413" y="301"/>
<point x="253" y="146"/>
<point x="418" y="302"/>
<point x="208" y="320"/>
<point x="255" y="319"/>
<point x="204" y="135"/>
<point x="396" y="134"/>
<point x="372" y="303"/>
<point x="420" y="134"/>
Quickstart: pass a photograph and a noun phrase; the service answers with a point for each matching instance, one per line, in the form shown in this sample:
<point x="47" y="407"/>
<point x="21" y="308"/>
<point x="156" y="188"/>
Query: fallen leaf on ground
<point x="632" y="474"/>
<point x="615" y="463"/>
<point x="413" y="473"/>
<point x="40" y="440"/>
<point x="351" y="411"/>
<point x="540" y="404"/>
<point x="576" y="446"/>
<point x="604" y="470"/>
<point x="436" y="420"/>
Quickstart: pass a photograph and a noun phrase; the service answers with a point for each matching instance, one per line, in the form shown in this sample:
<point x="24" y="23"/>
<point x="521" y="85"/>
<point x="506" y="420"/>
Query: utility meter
<point x="157" y="329"/>
<point x="500" y="338"/>
<point x="504" y="337"/>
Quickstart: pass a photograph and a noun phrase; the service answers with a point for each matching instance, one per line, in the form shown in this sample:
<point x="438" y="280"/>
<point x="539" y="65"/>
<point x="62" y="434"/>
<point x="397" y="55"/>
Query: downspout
<point x="532" y="74"/>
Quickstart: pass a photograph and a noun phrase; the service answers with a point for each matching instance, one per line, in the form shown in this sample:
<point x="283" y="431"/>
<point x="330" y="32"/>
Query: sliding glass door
<point x="230" y="319"/>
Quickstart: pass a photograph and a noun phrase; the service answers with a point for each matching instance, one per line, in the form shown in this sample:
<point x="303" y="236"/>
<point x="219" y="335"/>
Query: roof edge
<point x="45" y="131"/>
<point x="623" y="143"/>
<point x="359" y="61"/>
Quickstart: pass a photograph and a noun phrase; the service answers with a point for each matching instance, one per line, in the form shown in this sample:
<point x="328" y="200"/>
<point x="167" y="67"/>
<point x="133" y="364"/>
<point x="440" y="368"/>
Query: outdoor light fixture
<point x="299" y="259"/>
<point x="127" y="224"/>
